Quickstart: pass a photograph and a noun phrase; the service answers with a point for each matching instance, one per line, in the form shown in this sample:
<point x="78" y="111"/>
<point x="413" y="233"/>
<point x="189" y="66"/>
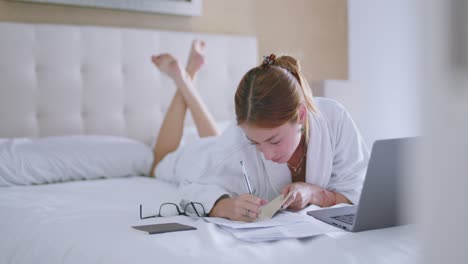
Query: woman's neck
<point x="298" y="153"/>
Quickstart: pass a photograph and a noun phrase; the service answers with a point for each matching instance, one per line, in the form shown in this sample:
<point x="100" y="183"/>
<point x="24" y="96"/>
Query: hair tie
<point x="269" y="60"/>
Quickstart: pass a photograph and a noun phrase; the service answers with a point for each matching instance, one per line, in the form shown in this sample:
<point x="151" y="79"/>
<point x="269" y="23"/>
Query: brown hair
<point x="270" y="94"/>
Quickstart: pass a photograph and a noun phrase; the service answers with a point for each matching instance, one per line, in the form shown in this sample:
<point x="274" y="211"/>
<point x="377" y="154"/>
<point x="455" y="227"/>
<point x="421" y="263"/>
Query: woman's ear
<point x="302" y="113"/>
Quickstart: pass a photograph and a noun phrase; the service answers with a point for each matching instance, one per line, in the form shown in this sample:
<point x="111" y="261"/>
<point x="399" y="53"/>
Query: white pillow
<point x="25" y="161"/>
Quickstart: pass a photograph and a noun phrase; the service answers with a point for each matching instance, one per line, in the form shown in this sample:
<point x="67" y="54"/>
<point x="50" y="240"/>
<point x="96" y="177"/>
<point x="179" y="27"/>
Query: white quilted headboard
<point x="62" y="79"/>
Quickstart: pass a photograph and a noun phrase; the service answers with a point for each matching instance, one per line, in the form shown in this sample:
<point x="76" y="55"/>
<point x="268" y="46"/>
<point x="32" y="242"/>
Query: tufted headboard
<point x="63" y="79"/>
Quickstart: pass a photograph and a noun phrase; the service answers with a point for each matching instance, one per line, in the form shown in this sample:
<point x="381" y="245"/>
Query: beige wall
<point x="315" y="31"/>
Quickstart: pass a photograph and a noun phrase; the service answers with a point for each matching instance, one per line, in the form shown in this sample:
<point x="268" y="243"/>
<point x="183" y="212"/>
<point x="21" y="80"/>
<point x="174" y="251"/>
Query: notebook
<point x="269" y="210"/>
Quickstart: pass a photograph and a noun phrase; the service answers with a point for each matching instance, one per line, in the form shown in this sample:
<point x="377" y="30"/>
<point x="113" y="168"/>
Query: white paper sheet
<point x="282" y="218"/>
<point x="296" y="230"/>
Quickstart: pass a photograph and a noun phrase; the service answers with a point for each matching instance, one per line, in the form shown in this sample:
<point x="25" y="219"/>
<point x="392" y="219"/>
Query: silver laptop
<point x="378" y="205"/>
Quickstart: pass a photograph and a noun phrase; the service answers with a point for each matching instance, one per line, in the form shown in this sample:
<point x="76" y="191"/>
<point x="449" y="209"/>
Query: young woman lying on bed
<point x="287" y="140"/>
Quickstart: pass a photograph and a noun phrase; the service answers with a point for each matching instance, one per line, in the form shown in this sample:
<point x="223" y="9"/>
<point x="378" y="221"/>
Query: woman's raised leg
<point x="171" y="130"/>
<point x="202" y="118"/>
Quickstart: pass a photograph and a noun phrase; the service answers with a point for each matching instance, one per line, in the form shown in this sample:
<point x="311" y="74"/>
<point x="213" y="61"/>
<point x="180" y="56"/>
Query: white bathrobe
<point x="337" y="159"/>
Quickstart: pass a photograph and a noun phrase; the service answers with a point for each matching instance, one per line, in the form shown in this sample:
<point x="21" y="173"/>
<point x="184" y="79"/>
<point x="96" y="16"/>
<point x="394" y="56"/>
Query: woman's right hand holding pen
<point x="245" y="207"/>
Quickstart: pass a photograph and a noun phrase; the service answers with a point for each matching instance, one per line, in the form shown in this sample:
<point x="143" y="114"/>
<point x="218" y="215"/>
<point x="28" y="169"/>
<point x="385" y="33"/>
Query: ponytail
<point x="292" y="66"/>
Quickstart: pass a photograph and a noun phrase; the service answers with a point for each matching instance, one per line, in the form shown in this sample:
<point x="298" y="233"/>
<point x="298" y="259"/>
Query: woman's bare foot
<point x="169" y="65"/>
<point x="196" y="57"/>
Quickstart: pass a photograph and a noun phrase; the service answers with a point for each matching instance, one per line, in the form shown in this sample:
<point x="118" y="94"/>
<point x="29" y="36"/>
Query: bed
<point x="64" y="81"/>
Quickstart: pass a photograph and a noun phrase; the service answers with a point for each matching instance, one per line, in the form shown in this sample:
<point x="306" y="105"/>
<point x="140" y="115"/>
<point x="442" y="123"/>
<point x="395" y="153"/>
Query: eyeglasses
<point x="172" y="209"/>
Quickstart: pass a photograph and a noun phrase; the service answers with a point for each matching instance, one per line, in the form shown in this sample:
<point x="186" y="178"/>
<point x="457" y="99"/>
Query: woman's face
<point x="277" y="144"/>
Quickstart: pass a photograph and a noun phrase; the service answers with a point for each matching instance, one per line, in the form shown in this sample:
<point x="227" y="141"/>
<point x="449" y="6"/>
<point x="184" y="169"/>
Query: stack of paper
<point x="284" y="225"/>
<point x="283" y="218"/>
<point x="297" y="230"/>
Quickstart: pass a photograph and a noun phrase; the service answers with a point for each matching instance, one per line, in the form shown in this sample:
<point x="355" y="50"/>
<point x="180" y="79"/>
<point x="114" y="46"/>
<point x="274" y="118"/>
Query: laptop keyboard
<point x="347" y="219"/>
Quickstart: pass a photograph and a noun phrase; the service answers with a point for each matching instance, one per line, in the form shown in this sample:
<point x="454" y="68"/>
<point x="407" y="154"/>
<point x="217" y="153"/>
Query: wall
<point x="313" y="30"/>
<point x="383" y="91"/>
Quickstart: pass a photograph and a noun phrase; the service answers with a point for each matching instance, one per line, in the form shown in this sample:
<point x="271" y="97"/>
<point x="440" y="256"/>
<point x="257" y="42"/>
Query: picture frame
<point x="173" y="7"/>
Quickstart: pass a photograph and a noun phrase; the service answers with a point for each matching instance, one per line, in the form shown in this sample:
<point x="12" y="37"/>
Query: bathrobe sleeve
<point x="213" y="170"/>
<point x="221" y="178"/>
<point x="206" y="193"/>
<point x="351" y="157"/>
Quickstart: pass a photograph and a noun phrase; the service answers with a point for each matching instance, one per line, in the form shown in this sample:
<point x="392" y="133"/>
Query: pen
<point x="245" y="177"/>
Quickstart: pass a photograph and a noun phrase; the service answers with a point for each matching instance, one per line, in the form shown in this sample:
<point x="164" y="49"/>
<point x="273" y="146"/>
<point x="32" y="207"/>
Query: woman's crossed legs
<point x="186" y="97"/>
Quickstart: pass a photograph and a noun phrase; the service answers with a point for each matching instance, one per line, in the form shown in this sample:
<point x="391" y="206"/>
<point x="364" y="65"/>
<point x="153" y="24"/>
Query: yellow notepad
<point x="269" y="210"/>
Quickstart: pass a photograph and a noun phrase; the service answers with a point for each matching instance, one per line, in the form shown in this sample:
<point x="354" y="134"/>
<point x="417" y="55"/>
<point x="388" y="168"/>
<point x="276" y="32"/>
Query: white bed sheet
<point x="90" y="222"/>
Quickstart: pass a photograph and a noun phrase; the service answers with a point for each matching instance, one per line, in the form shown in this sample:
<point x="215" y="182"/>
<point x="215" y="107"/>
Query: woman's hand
<point x="245" y="207"/>
<point x="302" y="195"/>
